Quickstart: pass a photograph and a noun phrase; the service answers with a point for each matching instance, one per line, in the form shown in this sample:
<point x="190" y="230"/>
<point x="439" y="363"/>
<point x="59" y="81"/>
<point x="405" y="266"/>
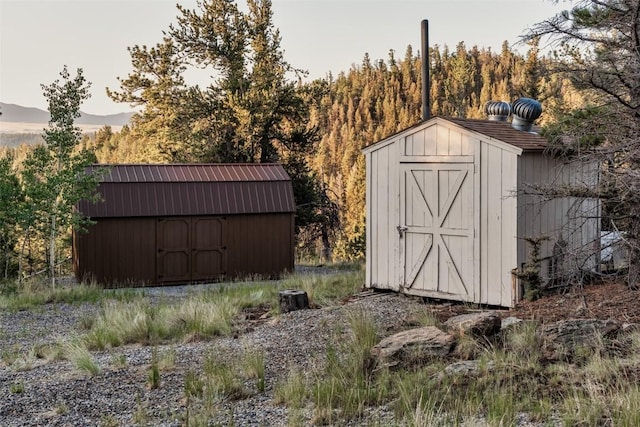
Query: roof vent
<point x="525" y="112"/>
<point x="497" y="111"/>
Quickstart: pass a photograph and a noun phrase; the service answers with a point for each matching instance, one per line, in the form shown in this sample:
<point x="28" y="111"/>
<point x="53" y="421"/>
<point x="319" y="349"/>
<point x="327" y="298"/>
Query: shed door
<point x="436" y="230"/>
<point x="209" y="251"/>
<point x="191" y="249"/>
<point x="174" y="249"/>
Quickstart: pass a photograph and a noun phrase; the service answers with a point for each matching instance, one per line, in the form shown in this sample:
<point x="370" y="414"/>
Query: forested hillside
<point x="347" y="112"/>
<point x="261" y="109"/>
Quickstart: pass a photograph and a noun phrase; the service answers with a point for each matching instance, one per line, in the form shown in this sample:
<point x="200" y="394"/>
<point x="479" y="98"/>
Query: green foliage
<point x="77" y="353"/>
<point x="346" y="383"/>
<point x="530" y="273"/>
<point x="597" y="51"/>
<point x="254" y="366"/>
<point x="10" y="199"/>
<point x="15" y="296"/>
<point x="53" y="178"/>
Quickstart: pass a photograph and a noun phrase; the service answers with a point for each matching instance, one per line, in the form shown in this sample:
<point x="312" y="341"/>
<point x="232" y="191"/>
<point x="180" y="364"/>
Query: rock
<point x="413" y="346"/>
<point x="486" y="323"/>
<point x="291" y="300"/>
<point x="630" y="327"/>
<point x="561" y="339"/>
<point x="509" y="321"/>
<point x="466" y="367"/>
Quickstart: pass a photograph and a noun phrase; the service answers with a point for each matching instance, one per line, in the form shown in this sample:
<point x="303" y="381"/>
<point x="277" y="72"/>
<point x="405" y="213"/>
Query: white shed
<point x="443" y="218"/>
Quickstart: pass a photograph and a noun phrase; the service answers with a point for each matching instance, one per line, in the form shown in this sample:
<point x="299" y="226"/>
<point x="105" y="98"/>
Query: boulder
<point x="413" y="346"/>
<point x="561" y="339"/>
<point x="486" y="323"/>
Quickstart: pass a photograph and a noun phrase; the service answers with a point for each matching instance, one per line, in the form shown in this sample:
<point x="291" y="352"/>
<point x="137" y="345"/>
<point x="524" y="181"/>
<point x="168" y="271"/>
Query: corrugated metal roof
<point x="191" y="189"/>
<point x="201" y="172"/>
<point x="503" y="131"/>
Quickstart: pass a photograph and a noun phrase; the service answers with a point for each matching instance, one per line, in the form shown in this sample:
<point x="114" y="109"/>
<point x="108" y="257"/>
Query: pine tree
<point x="598" y="50"/>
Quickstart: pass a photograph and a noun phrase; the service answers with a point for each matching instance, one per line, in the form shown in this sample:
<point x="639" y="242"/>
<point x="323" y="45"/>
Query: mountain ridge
<point x="15" y="113"/>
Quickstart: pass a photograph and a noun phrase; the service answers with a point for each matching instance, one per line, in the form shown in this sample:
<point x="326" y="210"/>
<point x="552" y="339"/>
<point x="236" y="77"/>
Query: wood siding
<point x="413" y="175"/>
<point x="497" y="224"/>
<point x="383" y="201"/>
<point x="571" y="220"/>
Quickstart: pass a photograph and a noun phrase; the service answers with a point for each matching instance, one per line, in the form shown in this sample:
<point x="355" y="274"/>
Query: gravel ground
<point x="40" y="392"/>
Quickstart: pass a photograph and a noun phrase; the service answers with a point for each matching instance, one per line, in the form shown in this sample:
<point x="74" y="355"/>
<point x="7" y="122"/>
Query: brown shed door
<point x="437" y="236"/>
<point x="209" y="251"/>
<point x="191" y="249"/>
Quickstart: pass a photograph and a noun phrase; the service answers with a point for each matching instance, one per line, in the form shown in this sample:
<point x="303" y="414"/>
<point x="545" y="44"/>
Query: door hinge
<point x="402" y="229"/>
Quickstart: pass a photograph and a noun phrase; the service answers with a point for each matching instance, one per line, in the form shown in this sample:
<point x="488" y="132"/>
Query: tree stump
<point x="291" y="300"/>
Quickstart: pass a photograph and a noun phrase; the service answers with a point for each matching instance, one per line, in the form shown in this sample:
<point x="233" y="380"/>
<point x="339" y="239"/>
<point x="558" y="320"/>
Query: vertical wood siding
<point x="498" y="169"/>
<point x="571" y="220"/>
<point x="415" y="167"/>
<point x="383" y="201"/>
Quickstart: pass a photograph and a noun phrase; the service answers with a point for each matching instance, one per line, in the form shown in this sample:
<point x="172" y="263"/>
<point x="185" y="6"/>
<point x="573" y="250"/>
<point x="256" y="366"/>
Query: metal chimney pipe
<point x="426" y="82"/>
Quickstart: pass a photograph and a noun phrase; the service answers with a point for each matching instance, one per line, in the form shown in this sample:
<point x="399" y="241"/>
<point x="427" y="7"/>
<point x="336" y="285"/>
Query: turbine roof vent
<point x="497" y="111"/>
<point x="525" y="112"/>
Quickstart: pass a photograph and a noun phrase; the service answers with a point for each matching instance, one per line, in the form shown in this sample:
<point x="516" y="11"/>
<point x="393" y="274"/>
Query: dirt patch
<point x="603" y="300"/>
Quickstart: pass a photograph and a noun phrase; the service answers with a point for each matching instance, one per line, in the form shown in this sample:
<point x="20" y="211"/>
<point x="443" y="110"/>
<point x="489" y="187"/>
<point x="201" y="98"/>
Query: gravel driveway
<point x="39" y="392"/>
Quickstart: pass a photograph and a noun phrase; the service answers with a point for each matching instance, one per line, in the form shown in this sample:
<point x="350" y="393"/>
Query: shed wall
<point x="497" y="224"/>
<point x="117" y="251"/>
<point x="124" y="251"/>
<point x="571" y="220"/>
<point x="493" y="213"/>
<point x="383" y="212"/>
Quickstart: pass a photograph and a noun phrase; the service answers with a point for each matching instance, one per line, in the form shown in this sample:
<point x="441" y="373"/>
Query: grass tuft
<point x="77" y="353"/>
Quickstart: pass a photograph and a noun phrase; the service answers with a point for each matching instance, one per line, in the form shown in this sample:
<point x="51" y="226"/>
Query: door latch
<point x="402" y="229"/>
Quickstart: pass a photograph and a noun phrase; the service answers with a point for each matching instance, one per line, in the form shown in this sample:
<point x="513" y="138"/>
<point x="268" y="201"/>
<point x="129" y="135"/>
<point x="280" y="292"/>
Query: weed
<point x="140" y="415"/>
<point x="119" y="361"/>
<point x="293" y="391"/>
<point x="77" y="353"/>
<point x="32" y="293"/>
<point x="254" y="366"/>
<point x="346" y="382"/>
<point x="193" y="385"/>
<point x="61" y="408"/>
<point x="221" y="381"/>
<point x="167" y="359"/>
<point x="16" y="388"/>
<point x="153" y="376"/>
<point x="109" y="421"/>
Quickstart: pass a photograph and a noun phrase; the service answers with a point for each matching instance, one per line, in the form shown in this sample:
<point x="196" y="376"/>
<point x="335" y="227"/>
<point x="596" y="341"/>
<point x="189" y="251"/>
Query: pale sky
<point x="38" y="37"/>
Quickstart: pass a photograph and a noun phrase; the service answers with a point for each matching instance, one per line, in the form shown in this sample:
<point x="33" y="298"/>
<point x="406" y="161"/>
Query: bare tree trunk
<point x="21" y="256"/>
<point x="326" y="245"/>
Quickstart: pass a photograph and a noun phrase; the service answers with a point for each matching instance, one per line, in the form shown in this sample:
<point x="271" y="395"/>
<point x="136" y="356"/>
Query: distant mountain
<point x="19" y="114"/>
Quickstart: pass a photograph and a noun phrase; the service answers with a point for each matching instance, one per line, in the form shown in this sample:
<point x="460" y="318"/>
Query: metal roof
<point x="138" y="190"/>
<point x="199" y="172"/>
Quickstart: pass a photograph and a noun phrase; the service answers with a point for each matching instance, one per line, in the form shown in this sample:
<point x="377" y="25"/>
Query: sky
<point x="39" y="37"/>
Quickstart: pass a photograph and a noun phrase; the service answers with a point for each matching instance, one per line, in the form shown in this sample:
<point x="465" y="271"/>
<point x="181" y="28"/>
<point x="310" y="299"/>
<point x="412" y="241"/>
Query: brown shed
<point x="182" y="223"/>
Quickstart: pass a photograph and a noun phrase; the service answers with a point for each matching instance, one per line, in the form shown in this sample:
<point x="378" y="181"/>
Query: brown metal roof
<point x="137" y="190"/>
<point x="503" y="131"/>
